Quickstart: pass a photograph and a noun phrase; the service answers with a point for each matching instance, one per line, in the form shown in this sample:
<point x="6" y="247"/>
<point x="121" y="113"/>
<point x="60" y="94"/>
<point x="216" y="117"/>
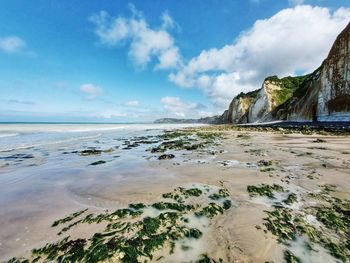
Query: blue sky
<point x="132" y="61"/>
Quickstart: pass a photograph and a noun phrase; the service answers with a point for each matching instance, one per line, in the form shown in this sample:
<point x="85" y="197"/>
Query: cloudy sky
<point x="135" y="61"/>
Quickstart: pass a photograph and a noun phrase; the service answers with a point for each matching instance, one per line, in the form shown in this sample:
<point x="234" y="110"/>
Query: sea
<point x="14" y="136"/>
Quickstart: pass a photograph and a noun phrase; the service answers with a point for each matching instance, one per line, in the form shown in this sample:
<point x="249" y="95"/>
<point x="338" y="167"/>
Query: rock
<point x="166" y="157"/>
<point x="98" y="162"/>
<point x="90" y="152"/>
<point x="318" y="140"/>
<point x="18" y="156"/>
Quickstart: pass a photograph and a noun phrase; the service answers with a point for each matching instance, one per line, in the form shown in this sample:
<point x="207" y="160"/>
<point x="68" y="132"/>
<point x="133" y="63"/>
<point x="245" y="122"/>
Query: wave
<point x="8" y="135"/>
<point x="27" y="146"/>
<point x="92" y="129"/>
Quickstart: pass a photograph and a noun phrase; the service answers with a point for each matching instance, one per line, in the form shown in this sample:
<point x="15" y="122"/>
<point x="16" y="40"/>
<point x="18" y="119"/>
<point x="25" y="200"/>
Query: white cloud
<point x="12" y="44"/>
<point x="146" y="43"/>
<point x="132" y="103"/>
<point x="91" y="90"/>
<point x="169" y="59"/>
<point x="168" y="21"/>
<point x="182" y="109"/>
<point x="293" y="40"/>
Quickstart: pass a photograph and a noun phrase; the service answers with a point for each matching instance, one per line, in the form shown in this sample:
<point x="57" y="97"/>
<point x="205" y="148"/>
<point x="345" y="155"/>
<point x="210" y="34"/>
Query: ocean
<point x="15" y="136"/>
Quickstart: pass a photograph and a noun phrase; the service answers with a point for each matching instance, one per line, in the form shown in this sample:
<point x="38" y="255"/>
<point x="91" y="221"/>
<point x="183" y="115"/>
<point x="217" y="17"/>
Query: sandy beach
<point x="310" y="171"/>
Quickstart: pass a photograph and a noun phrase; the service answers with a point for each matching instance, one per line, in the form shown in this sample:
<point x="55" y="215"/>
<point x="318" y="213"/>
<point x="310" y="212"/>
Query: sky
<point x="136" y="61"/>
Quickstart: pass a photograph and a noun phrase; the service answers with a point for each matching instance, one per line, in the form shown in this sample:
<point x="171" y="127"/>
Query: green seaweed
<point x="205" y="259"/>
<point x="290" y="257"/>
<point x="181" y="193"/>
<point x="193" y="233"/>
<point x="137" y="206"/>
<point x="333" y="218"/>
<point x="191" y="192"/>
<point x="265" y="163"/>
<point x="149" y="226"/>
<point x="266" y="169"/>
<point x="189" y="141"/>
<point x="118" y="214"/>
<point x="68" y="218"/>
<point x="210" y="211"/>
<point x="18" y="260"/>
<point x="64" y="250"/>
<point x="172" y="206"/>
<point x="264" y="190"/>
<point x="339" y="251"/>
<point x="290" y="199"/>
<point x="222" y="193"/>
<point x="65" y="229"/>
<point x="280" y="223"/>
<point x="332" y="213"/>
<point x="128" y="237"/>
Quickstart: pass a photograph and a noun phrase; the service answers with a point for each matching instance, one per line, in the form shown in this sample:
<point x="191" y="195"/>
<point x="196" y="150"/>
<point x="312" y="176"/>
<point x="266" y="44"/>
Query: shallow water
<point x="316" y="255"/>
<point x="43" y="176"/>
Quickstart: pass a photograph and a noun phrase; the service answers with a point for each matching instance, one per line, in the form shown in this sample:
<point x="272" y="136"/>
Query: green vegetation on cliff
<point x="251" y="94"/>
<point x="288" y="86"/>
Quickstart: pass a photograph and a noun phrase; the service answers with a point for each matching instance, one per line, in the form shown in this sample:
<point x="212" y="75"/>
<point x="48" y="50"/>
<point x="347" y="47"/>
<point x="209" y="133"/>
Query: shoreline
<point x="237" y="158"/>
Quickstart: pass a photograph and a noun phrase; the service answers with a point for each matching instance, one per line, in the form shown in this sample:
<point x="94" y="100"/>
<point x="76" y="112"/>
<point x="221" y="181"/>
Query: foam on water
<point x="317" y="255"/>
<point x="3" y="135"/>
<point x="311" y="219"/>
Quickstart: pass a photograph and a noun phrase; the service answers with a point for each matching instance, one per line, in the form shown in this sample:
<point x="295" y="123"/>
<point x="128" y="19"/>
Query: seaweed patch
<point x="185" y="140"/>
<point x="68" y="218"/>
<point x="264" y="190"/>
<point x="330" y="228"/>
<point x="132" y="235"/>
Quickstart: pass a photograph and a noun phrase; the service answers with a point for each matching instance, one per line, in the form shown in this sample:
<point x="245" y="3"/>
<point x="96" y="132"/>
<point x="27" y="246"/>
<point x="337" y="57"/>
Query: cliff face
<point x="239" y="107"/>
<point x="263" y="103"/>
<point x="272" y="94"/>
<point x="302" y="106"/>
<point x="255" y="106"/>
<point x="323" y="95"/>
<point x="334" y="95"/>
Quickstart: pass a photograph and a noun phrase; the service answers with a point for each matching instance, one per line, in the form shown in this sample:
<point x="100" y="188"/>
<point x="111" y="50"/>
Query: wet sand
<point x="300" y="165"/>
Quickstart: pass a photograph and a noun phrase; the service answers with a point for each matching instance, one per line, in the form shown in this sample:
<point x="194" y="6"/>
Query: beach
<point x="230" y="187"/>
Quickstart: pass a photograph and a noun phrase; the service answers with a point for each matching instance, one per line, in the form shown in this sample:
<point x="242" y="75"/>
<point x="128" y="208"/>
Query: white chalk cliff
<point x="323" y="95"/>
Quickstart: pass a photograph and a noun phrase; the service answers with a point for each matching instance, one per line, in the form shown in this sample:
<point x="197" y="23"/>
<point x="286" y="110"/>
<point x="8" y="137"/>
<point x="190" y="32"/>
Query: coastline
<point x="301" y="163"/>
